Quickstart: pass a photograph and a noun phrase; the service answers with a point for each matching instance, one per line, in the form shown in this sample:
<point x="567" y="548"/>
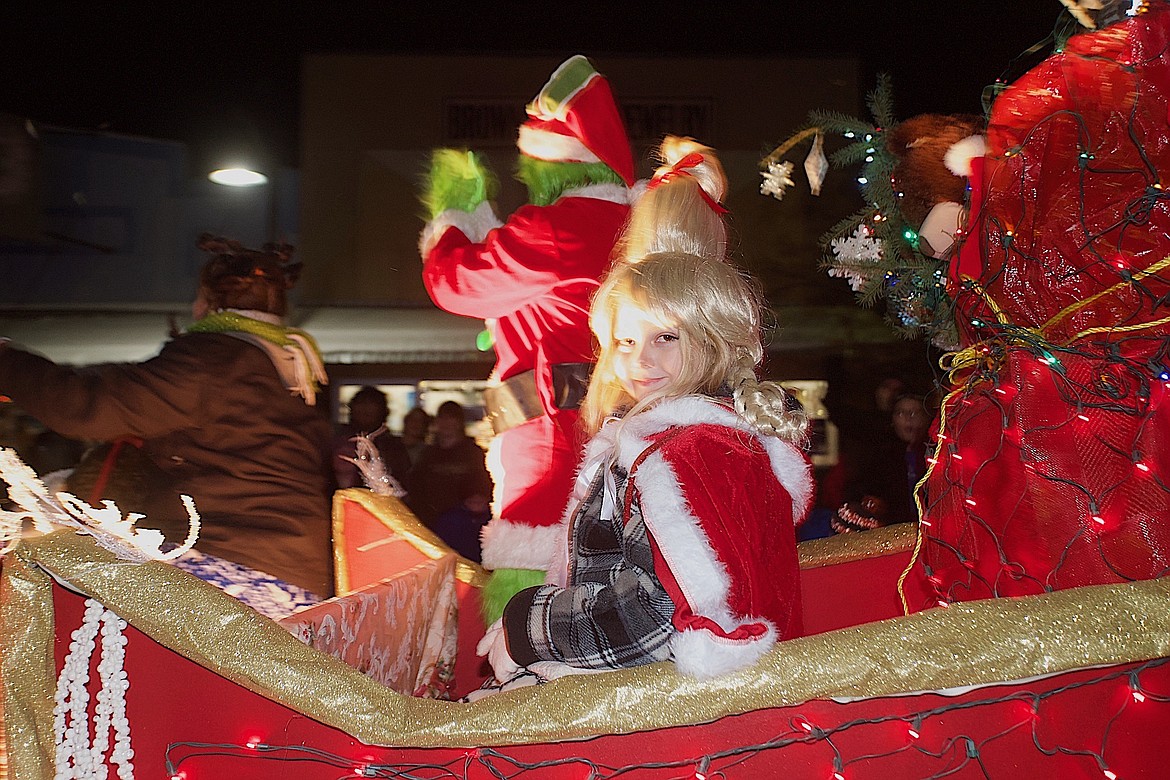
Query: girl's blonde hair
<point x="679" y="210"/>
<point x="717" y="313"/>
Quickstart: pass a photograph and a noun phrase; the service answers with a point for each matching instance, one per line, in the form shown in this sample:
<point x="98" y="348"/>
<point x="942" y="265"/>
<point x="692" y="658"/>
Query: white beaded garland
<point x="78" y="757"/>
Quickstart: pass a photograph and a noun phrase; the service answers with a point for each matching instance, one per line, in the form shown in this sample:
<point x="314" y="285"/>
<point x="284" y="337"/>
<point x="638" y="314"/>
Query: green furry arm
<point x="502" y="586"/>
<point x="458" y="179"/>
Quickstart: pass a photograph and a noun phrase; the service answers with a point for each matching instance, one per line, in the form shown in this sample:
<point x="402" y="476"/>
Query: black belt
<point x="516" y="400"/>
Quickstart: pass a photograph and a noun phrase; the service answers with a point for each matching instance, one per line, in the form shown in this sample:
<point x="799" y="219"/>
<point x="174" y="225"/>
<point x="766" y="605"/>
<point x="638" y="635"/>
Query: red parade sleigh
<point x="1070" y="684"/>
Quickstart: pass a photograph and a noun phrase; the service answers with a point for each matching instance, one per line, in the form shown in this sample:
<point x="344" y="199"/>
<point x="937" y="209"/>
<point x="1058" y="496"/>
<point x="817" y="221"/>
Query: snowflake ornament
<point x="777" y="179"/>
<point x="853" y="254"/>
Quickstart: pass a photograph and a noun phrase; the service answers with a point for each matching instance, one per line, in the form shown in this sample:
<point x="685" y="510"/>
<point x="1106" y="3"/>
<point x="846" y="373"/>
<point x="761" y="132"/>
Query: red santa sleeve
<point x="720" y="507"/>
<point x="493" y="277"/>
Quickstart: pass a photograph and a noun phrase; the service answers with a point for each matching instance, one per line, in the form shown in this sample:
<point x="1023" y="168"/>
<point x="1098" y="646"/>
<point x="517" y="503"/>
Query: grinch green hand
<point x="502" y="586"/>
<point x="458" y="179"/>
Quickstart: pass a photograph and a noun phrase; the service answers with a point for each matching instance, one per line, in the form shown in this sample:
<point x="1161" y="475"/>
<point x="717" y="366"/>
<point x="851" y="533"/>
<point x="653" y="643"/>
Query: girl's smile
<point x="647" y="357"/>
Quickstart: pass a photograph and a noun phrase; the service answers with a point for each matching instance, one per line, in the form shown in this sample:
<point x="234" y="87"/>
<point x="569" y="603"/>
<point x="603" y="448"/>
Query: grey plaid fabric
<point x="615" y="613"/>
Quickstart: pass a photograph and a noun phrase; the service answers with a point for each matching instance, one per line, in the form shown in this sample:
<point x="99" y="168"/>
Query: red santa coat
<point x="720" y="503"/>
<point x="531" y="279"/>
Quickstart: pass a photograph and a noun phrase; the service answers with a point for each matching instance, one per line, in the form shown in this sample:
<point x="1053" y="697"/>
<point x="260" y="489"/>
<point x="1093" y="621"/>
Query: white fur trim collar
<point x="632" y="435"/>
<point x="614" y="193"/>
<point x="635" y="432"/>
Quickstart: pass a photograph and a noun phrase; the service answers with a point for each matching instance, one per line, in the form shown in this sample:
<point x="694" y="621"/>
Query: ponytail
<point x="768" y="407"/>
<point x="681" y="209"/>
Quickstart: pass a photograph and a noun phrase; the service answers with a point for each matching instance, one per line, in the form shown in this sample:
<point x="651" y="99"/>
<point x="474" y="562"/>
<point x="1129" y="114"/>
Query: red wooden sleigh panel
<point x="1072" y="684"/>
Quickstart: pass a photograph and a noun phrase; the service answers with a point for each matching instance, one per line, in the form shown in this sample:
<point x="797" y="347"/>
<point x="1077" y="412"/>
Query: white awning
<point x="352" y="335"/>
<point x="383" y="335"/>
<point x="345" y="335"/>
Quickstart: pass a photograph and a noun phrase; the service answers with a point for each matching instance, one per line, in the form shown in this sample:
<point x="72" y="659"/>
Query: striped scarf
<point x="306" y="357"/>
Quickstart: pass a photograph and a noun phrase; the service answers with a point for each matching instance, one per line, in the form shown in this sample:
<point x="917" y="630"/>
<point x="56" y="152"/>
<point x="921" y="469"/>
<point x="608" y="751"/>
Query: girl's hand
<point x="495" y="646"/>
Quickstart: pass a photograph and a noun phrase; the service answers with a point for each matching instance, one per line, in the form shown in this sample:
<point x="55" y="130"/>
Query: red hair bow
<point x="692" y="160"/>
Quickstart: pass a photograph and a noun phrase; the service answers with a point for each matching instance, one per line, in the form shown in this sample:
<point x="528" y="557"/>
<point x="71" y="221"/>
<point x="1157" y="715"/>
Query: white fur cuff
<point x="703" y="655"/>
<point x="473" y="224"/>
<point x="508" y="545"/>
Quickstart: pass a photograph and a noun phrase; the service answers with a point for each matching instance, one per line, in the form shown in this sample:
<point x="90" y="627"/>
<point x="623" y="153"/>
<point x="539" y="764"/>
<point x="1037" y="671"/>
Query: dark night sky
<point x="186" y="71"/>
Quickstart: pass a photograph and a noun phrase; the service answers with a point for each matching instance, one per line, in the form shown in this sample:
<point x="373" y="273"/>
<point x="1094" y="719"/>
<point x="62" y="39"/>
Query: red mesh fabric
<point x="1078" y="225"/>
<point x="1054" y="469"/>
<point x="1032" y="492"/>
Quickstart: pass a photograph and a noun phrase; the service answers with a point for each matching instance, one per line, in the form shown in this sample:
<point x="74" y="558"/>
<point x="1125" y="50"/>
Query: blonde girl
<point x="680" y="538"/>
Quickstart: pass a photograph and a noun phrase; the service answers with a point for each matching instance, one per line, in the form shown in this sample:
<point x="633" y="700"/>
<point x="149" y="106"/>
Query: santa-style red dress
<point x="1052" y="468"/>
<point x="681" y="544"/>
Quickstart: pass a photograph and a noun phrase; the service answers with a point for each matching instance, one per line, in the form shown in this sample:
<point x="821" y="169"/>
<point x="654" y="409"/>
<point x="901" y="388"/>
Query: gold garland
<point x="956" y="361"/>
<point x="400" y="521"/>
<point x="783" y="148"/>
<point x="844" y="548"/>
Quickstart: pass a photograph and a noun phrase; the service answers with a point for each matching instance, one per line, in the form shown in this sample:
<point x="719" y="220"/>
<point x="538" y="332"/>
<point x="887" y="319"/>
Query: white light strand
<point x="105" y="523"/>
<point x="78" y="757"/>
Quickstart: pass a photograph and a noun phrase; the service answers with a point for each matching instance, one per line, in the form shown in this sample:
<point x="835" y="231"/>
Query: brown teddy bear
<point x="934" y="154"/>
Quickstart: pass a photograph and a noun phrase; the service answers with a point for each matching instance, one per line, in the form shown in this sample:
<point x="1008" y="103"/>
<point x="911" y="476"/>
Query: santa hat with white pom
<point x="574" y="118"/>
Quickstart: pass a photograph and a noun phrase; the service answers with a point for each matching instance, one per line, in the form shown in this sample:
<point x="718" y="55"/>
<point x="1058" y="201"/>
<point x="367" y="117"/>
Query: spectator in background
<point x="883" y="490"/>
<point x="449" y="489"/>
<point x="416" y="426"/>
<point x="864" y="432"/>
<point x="886" y="393"/>
<point x="368" y="410"/>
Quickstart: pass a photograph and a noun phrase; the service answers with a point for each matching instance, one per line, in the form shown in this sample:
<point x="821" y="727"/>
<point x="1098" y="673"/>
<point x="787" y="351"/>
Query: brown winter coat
<point x="220" y="424"/>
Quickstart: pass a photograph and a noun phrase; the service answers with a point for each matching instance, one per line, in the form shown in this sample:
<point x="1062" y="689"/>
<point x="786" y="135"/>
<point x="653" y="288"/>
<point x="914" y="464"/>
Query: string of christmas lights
<point x="1048" y="470"/>
<point x="874" y="248"/>
<point x="952" y="752"/>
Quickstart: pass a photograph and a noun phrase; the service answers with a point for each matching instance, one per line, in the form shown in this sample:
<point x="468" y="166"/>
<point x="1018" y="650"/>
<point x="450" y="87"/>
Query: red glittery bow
<point x="692" y="160"/>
